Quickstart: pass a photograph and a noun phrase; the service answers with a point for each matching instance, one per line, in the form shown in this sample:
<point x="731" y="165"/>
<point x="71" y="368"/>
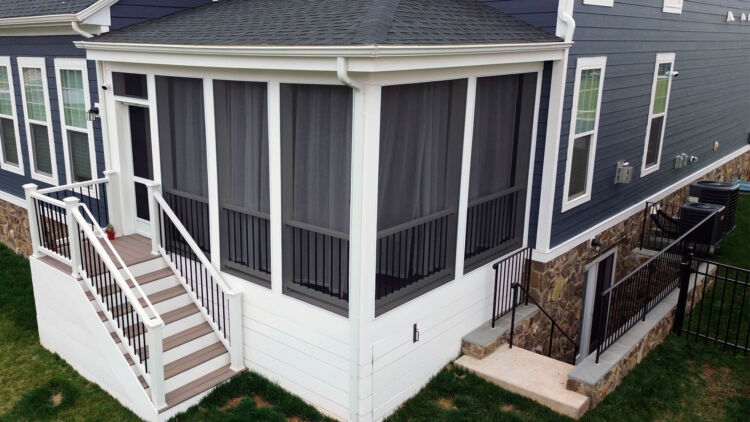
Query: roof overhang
<point x="364" y="58"/>
<point x="54" y="24"/>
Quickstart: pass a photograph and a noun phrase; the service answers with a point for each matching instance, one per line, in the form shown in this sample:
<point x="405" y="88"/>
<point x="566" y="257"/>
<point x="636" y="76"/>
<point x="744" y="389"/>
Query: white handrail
<point x="47" y="199"/>
<point x="103" y="236"/>
<point x="194" y="246"/>
<point x="73" y="186"/>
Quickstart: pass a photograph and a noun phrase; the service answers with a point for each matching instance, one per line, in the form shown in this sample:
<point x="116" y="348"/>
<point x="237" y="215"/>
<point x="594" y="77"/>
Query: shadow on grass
<point x="16" y="292"/>
<point x="45" y="402"/>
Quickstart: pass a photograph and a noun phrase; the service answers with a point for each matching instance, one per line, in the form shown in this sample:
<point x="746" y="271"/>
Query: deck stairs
<point x="195" y="360"/>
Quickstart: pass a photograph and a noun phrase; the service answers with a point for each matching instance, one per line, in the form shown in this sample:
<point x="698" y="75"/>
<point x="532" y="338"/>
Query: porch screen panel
<point x="316" y="132"/>
<point x="501" y="148"/>
<point x="421" y="134"/>
<point x="241" y="114"/>
<point x="182" y="146"/>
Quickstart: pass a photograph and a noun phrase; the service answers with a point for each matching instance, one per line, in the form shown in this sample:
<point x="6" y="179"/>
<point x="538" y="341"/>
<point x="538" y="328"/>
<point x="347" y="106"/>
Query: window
<point x="584" y="127"/>
<point x="421" y="138"/>
<point x="36" y="109"/>
<point x="657" y="118"/>
<point x="672" y="6"/>
<point x="500" y="154"/>
<point x="131" y="85"/>
<point x="10" y="142"/>
<point x="77" y="131"/>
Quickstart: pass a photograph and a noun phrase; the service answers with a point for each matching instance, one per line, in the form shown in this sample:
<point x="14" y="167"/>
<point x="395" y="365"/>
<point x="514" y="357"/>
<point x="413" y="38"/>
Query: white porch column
<point x="153" y="210"/>
<point x="212" y="173"/>
<point x="274" y="177"/>
<point x="463" y="198"/>
<point x="363" y="246"/>
<point x="71" y="204"/>
<point x="33" y="222"/>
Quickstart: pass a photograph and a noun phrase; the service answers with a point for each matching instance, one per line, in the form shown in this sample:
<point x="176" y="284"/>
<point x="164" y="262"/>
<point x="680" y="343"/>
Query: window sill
<point x="570" y="204"/>
<point x="50" y="180"/>
<point x="672" y="9"/>
<point x="645" y="171"/>
<point x="17" y="169"/>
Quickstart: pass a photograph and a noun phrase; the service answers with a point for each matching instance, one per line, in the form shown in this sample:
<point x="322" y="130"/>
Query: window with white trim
<point x="36" y="111"/>
<point x="77" y="131"/>
<point x="10" y="144"/>
<point x="584" y="127"/>
<point x="672" y="6"/>
<point x="657" y="119"/>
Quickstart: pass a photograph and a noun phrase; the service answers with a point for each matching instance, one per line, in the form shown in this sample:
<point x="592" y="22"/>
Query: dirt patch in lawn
<point x="231" y="404"/>
<point x="56" y="399"/>
<point x="260" y="402"/>
<point x="446" y="404"/>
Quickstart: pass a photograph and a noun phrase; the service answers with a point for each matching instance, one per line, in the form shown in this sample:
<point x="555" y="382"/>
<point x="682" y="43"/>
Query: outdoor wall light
<point x="93" y="113"/>
<point x="596" y="245"/>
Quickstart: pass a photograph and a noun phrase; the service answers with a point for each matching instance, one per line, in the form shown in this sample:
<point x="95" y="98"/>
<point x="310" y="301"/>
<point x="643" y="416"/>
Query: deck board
<point x="133" y="249"/>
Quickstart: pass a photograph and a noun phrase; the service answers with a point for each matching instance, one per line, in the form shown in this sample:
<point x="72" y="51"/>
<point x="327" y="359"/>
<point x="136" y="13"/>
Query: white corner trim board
<point x="547" y="256"/>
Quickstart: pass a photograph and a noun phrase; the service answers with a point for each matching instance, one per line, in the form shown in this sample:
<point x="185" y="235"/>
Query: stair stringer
<point x="69" y="326"/>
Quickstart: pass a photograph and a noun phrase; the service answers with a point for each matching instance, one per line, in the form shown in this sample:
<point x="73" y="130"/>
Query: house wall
<point x="540" y="13"/>
<point x="129" y="12"/>
<point x="710" y="100"/>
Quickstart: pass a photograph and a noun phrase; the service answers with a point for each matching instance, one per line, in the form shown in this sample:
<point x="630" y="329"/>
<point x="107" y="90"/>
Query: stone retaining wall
<point x="14" y="228"/>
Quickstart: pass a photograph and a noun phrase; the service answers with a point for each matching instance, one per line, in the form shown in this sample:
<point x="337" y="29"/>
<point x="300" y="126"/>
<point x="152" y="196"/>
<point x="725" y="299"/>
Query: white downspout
<point x="342" y="71"/>
<point x="570" y="24"/>
<point x="80" y="31"/>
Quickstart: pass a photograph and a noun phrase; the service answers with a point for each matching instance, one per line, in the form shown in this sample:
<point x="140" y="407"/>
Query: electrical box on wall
<point x="680" y="161"/>
<point x="624" y="172"/>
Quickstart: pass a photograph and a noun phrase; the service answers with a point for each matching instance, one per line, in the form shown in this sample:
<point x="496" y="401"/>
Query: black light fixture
<point x="596" y="245"/>
<point x="93" y="113"/>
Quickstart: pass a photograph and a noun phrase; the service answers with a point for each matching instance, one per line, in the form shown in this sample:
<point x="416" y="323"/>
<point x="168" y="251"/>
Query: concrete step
<point x="485" y="339"/>
<point x="531" y="375"/>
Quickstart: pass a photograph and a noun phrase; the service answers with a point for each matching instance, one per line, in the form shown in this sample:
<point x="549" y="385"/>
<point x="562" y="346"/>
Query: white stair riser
<point x="183" y="324"/>
<point x="193" y="374"/>
<point x="192" y="346"/>
<point x="172" y="304"/>
<point x="159" y="285"/>
<point x="146" y="267"/>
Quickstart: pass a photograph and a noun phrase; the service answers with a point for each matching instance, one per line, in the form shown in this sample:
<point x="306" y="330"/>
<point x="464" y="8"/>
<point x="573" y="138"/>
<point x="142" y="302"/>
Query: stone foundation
<point x="558" y="285"/>
<point x="14" y="228"/>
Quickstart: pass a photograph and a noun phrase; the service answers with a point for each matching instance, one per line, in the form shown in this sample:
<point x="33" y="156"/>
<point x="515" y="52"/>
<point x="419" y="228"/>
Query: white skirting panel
<point x="70" y="327"/>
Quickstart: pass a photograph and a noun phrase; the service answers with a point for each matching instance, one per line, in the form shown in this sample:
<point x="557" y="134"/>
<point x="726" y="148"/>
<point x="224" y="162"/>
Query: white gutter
<point x="80" y="31"/>
<point x="570" y="23"/>
<point x="57" y="20"/>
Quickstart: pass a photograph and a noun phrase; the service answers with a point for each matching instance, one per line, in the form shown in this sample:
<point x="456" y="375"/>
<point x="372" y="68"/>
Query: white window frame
<point x="608" y="3"/>
<point x="82" y="66"/>
<point x="18" y="169"/>
<point x="38" y="63"/>
<point x="661" y="58"/>
<point x="672" y="6"/>
<point x="583" y="63"/>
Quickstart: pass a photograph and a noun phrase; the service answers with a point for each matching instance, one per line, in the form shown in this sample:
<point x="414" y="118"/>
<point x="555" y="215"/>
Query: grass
<point x="681" y="380"/>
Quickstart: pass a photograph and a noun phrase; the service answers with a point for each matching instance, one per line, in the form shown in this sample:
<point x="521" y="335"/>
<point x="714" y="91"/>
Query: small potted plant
<point x="110" y="230"/>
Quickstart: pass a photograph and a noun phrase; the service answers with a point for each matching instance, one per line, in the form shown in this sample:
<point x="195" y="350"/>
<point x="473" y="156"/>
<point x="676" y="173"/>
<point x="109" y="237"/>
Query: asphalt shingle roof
<point x="25" y="8"/>
<point x="333" y="22"/>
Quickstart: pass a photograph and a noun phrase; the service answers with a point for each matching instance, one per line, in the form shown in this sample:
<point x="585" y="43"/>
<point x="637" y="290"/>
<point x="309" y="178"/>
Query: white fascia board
<point x="367" y="58"/>
<point x="591" y="233"/>
<point x="56" y="20"/>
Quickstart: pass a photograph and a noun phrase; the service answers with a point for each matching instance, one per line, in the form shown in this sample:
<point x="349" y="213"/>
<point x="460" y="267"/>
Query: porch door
<point x="143" y="168"/>
<point x="599" y="277"/>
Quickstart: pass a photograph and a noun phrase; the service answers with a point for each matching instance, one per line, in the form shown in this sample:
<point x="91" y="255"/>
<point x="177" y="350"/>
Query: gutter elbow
<point x="77" y="29"/>
<point x="342" y="72"/>
<point x="570" y="26"/>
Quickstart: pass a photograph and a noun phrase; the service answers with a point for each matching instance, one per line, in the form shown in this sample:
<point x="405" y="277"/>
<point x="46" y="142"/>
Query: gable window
<point x="584" y="127"/>
<point x="77" y="133"/>
<point x="38" y="119"/>
<point x="672" y="6"/>
<point x="10" y="146"/>
<point x="657" y="118"/>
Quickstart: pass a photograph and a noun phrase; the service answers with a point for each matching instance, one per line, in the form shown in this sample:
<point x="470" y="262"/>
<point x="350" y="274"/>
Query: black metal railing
<point x="520" y="291"/>
<point x="514" y="269"/>
<point x="246" y="241"/>
<point x="192" y="211"/>
<point x="418" y="252"/>
<point x="197" y="277"/>
<point x="494" y="225"/>
<point x="629" y="300"/>
<point x="93" y="196"/>
<point x="661" y="225"/>
<point x="719" y="311"/>
<point x="114" y="299"/>
<point x="52" y="224"/>
<point x="319" y="261"/>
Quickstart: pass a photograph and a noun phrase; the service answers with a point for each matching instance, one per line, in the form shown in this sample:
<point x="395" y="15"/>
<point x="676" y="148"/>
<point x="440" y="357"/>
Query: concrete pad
<point x="531" y="375"/>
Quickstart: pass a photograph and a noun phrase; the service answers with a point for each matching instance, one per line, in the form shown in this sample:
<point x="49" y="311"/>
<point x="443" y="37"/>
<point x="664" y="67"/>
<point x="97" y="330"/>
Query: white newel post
<point x="71" y="204"/>
<point x="30" y="188"/>
<point x="156" y="364"/>
<point x="113" y="199"/>
<point x="153" y="209"/>
<point x="235" y="332"/>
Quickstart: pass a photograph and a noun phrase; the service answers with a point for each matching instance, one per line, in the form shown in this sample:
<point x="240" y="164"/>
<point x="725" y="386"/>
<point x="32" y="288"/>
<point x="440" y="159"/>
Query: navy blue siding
<point x="49" y="48"/>
<point x="129" y="12"/>
<point x="540" y="13"/>
<point x="710" y="100"/>
<point x="541" y="138"/>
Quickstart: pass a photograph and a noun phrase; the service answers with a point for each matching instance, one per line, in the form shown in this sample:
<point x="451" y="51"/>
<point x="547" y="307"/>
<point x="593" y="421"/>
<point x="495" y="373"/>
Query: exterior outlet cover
<point x="624" y="172"/>
<point x="415" y="336"/>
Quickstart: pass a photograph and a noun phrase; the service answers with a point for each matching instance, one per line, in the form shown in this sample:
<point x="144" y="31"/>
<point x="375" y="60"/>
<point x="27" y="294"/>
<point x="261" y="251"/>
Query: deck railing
<point x="661" y="225"/>
<point x="629" y="300"/>
<point x="494" y="224"/>
<point x="511" y="270"/>
<point x="245" y="240"/>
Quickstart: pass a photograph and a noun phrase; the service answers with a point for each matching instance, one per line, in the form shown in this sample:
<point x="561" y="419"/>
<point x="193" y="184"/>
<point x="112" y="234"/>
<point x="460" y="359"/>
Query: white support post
<point x="235" y="332"/>
<point x="71" y="204"/>
<point x="156" y="365"/>
<point x="463" y="201"/>
<point x="30" y="188"/>
<point x="113" y="199"/>
<point x="153" y="209"/>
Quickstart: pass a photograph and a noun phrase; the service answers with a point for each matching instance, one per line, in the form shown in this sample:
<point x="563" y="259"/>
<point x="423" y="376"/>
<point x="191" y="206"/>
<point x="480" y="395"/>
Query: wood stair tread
<point x="194" y="359"/>
<point x="179" y="313"/>
<point x="166" y="294"/>
<point x="153" y="276"/>
<point x="187" y="335"/>
<point x="202" y="384"/>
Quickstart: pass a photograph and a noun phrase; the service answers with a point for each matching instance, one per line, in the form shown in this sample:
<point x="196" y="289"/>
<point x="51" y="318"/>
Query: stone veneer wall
<point x="14" y="228"/>
<point x="558" y="285"/>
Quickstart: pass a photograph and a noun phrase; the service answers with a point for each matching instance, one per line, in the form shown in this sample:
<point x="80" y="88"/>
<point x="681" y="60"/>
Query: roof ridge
<point x="376" y="24"/>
